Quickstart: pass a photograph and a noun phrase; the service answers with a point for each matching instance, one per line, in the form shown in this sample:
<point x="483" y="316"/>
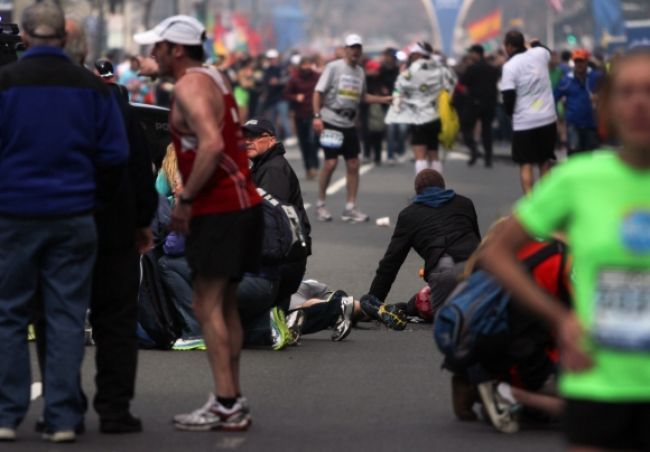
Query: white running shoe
<point x="322" y="214"/>
<point x="354" y="215"/>
<point x="344" y="324"/>
<point x="502" y="412"/>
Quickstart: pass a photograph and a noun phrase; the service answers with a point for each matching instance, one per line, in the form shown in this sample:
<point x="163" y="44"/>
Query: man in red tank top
<point x="219" y="210"/>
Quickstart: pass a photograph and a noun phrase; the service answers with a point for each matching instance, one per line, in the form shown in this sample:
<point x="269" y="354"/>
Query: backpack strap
<point x="532" y="261"/>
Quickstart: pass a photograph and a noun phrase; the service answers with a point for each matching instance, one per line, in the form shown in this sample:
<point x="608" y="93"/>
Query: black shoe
<point x="472" y="161"/>
<point x="125" y="424"/>
<point x="488" y="164"/>
<point x="40" y="427"/>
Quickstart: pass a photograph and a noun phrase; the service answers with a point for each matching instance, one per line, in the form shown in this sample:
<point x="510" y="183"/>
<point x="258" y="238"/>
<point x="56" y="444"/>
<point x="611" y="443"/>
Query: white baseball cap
<point x="272" y="53"/>
<point x="419" y="48"/>
<point x="181" y="29"/>
<point x="353" y="40"/>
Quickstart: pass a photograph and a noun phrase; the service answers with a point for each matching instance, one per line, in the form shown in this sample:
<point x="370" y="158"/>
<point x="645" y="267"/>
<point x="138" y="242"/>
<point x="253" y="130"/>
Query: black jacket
<point x="451" y="229"/>
<point x="136" y="201"/>
<point x="481" y="80"/>
<point x="272" y="172"/>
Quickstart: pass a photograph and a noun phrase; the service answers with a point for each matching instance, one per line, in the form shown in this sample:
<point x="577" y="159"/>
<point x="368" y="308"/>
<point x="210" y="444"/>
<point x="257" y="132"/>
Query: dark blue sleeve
<point x="112" y="144"/>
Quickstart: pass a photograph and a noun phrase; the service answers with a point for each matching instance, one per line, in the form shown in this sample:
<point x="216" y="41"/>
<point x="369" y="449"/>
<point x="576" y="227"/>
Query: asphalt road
<point x="378" y="390"/>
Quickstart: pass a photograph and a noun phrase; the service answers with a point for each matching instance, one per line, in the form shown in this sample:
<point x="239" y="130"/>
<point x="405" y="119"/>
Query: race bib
<point x="331" y="139"/>
<point x="622" y="317"/>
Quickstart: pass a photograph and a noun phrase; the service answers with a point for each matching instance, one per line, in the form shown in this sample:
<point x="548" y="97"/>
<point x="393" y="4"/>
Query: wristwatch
<point x="184" y="200"/>
<point x="316" y="115"/>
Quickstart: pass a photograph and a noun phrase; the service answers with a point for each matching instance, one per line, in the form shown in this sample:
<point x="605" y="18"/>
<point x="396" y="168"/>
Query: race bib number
<point x="349" y="89"/>
<point x="331" y="139"/>
<point x="622" y="318"/>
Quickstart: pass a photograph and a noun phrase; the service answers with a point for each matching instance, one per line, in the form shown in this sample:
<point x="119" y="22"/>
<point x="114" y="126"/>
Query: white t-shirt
<point x="343" y="88"/>
<point x="527" y="73"/>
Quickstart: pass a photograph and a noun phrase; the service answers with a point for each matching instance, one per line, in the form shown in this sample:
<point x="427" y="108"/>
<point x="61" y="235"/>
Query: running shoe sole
<point x="501" y="420"/>
<point x="281" y="325"/>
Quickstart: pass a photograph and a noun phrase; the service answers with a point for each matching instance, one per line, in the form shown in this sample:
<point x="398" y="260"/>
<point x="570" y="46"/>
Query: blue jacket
<point x="60" y="131"/>
<point x="579" y="109"/>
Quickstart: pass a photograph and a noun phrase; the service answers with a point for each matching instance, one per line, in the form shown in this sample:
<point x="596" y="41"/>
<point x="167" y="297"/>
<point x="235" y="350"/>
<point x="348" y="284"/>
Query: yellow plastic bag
<point x="450" y="124"/>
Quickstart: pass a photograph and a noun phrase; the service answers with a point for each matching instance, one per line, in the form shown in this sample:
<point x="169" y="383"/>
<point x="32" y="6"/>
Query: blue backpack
<point x="478" y="308"/>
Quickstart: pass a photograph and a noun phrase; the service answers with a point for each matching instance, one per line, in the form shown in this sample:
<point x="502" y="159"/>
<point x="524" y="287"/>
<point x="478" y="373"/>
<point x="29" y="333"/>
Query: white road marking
<point x="37" y="390"/>
<point x="340" y="183"/>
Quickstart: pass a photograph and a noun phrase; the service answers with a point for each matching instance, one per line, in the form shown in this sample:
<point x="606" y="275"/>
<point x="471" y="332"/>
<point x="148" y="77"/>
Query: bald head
<point x="44" y="24"/>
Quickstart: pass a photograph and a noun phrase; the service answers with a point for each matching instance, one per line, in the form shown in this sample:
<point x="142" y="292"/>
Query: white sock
<point x="436" y="165"/>
<point x="349" y="206"/>
<point x="505" y="390"/>
<point x="420" y="165"/>
<point x="320" y="203"/>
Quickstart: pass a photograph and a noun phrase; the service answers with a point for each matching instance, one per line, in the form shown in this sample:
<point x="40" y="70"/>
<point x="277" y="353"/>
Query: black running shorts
<point x="615" y="426"/>
<point x="534" y="145"/>
<point x="426" y="135"/>
<point x="226" y="245"/>
<point x="350" y="148"/>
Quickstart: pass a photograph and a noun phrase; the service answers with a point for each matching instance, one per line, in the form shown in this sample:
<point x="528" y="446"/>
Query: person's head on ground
<point x="476" y="52"/>
<point x="260" y="136"/>
<point x="514" y="43"/>
<point x="626" y="102"/>
<point x="43" y="24"/>
<point x="177" y="44"/>
<point x="580" y="62"/>
<point x="76" y="43"/>
<point x="428" y="178"/>
<point x="353" y="49"/>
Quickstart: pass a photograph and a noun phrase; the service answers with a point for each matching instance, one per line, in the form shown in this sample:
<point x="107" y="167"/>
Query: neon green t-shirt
<point x="604" y="207"/>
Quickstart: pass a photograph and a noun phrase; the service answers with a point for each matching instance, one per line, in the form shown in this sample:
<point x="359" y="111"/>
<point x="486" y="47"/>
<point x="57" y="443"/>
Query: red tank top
<point x="230" y="188"/>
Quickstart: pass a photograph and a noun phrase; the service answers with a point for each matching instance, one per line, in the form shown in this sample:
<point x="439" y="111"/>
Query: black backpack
<point x="284" y="239"/>
<point x="156" y="316"/>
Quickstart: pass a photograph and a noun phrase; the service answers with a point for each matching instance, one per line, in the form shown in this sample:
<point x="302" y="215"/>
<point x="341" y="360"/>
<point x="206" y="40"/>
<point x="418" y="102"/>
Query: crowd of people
<point x="545" y="315"/>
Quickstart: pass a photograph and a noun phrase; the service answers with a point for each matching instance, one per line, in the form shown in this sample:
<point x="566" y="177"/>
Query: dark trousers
<point x="484" y="114"/>
<point x="176" y="276"/>
<point x="307" y="142"/>
<point x="256" y="296"/>
<point x="291" y="275"/>
<point x="320" y="317"/>
<point x="372" y="146"/>
<point x="114" y="316"/>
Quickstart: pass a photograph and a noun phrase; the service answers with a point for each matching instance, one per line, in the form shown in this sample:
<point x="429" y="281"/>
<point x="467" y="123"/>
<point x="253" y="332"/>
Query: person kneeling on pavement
<point x="442" y="227"/>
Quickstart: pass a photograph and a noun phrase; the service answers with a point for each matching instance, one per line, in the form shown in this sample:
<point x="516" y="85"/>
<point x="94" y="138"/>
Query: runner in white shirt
<point x="528" y="98"/>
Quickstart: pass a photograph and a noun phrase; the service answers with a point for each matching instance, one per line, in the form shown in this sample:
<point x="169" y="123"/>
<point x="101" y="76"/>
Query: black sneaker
<point x="124" y="424"/>
<point x="370" y="306"/>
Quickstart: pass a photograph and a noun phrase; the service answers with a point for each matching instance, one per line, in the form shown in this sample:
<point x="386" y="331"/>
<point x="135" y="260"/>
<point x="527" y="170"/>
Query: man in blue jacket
<point x="63" y="148"/>
<point x="578" y="88"/>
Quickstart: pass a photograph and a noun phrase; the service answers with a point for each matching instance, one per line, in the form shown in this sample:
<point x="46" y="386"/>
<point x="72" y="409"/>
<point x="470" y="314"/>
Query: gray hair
<point x="44" y="22"/>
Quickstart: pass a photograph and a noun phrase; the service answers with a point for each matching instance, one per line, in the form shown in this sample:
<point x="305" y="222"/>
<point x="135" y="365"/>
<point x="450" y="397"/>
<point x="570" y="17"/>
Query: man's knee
<point x="352" y="165"/>
<point x="330" y="165"/>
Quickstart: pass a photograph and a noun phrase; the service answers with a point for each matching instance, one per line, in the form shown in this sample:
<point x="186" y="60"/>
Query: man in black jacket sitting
<point x="441" y="227"/>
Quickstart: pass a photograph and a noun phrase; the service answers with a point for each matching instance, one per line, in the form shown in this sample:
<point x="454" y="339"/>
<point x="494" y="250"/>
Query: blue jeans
<point x="396" y="139"/>
<point x="279" y="111"/>
<point x="581" y="139"/>
<point x="57" y="256"/>
<point x="176" y="276"/>
<point x="308" y="143"/>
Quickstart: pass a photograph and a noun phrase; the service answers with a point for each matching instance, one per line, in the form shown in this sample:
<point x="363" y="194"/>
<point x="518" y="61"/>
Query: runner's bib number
<point x="622" y="317"/>
<point x="331" y="139"/>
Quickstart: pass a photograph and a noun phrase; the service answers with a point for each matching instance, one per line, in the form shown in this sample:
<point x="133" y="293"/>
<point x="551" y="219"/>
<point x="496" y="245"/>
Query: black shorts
<point x="426" y="135"/>
<point x="534" y="145"/>
<point x="226" y="245"/>
<point x="350" y="148"/>
<point x="615" y="426"/>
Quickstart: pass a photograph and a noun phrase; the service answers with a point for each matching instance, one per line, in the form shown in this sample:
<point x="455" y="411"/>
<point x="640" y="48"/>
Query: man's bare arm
<point x="202" y="113"/>
<point x="374" y="99"/>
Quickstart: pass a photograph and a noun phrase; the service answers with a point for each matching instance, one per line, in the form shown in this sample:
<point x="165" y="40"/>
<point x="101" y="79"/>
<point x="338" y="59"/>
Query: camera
<point x="10" y="43"/>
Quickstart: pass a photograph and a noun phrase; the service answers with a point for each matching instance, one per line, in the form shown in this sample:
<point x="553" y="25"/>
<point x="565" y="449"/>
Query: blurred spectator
<point x="274" y="107"/>
<point x="372" y="115"/>
<point x="300" y="91"/>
